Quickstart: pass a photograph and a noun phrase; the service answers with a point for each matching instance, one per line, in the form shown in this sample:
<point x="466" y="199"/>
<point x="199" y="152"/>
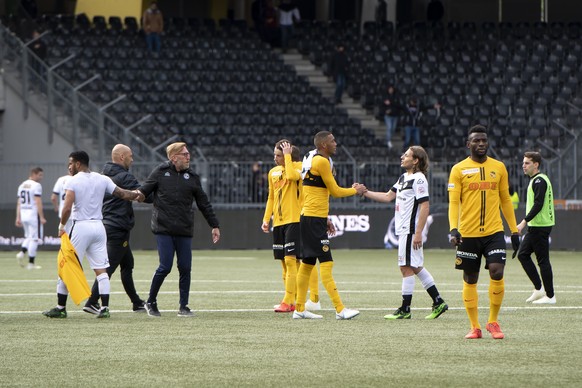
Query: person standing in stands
<point x="411" y="213"/>
<point x="288" y="14"/>
<point x="338" y="69"/>
<point x="284" y="207"/>
<point x="30" y="216"/>
<point x="478" y="189"/>
<point x="539" y="219"/>
<point x="118" y="219"/>
<point x="318" y="183"/>
<point x="153" y="27"/>
<point x="83" y="203"/>
<point x="175" y="187"/>
<point x="391" y="106"/>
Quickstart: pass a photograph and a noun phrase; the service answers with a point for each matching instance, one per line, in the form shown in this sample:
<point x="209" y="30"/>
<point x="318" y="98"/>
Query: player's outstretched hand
<point x="515" y="244"/>
<point x="456" y="239"/>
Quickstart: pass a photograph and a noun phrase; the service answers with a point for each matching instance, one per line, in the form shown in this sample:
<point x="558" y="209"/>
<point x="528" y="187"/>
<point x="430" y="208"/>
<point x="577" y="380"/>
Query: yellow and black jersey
<point x="285" y="193"/>
<point x="476" y="193"/>
<point x="318" y="184"/>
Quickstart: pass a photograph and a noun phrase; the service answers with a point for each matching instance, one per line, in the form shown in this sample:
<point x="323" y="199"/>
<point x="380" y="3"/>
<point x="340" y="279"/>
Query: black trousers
<point x="537" y="240"/>
<point x="120" y="255"/>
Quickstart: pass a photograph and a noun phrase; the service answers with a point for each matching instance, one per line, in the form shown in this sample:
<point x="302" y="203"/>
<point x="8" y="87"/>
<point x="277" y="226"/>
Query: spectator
<point x="259" y="181"/>
<point x="288" y="13"/>
<point x="412" y="119"/>
<point x="435" y="11"/>
<point x="381" y="11"/>
<point x="30" y="216"/>
<point x="391" y="106"/>
<point x="153" y="27"/>
<point x="175" y="187"/>
<point x="270" y="23"/>
<point x="39" y="49"/>
<point x="338" y="69"/>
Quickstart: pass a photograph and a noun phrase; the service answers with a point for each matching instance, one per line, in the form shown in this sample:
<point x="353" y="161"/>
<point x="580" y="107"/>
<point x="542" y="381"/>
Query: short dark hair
<point x="80" y="156"/>
<point x="295" y="154"/>
<point x="535" y="157"/>
<point x="478" y="129"/>
<point x="279" y="144"/>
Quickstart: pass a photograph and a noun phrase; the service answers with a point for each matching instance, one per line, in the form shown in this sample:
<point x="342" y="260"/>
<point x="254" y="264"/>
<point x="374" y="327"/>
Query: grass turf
<point x="236" y="339"/>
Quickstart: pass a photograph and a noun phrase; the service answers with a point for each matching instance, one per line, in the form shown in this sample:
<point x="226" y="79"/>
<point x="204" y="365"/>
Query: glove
<point x="515" y="244"/>
<point x="455" y="234"/>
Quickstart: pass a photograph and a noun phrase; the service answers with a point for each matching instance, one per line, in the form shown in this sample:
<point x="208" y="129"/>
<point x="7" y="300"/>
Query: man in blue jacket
<point x="175" y="187"/>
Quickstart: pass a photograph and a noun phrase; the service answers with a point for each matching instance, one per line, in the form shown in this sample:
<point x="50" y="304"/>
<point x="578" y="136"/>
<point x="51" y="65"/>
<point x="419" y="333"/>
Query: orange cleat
<point x="285" y="308"/>
<point x="474" y="334"/>
<point x="495" y="330"/>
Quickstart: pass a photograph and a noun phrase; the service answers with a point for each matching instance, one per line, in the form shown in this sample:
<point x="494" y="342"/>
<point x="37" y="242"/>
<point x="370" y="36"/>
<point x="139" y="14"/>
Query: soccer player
<point x="318" y="184"/>
<point x="539" y="218"/>
<point x="284" y="206"/>
<point x="30" y="216"/>
<point x="478" y="187"/>
<point x="411" y="212"/>
<point x="175" y="187"/>
<point x="83" y="203"/>
<point x="118" y="220"/>
<point x="58" y="198"/>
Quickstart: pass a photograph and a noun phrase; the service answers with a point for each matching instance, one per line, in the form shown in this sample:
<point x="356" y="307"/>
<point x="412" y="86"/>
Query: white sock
<point x="426" y="279"/>
<point x="408" y="285"/>
<point x="104" y="284"/>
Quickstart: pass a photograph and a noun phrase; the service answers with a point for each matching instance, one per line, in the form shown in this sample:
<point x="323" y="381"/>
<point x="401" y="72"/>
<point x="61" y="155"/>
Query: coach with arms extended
<point x="175" y="187"/>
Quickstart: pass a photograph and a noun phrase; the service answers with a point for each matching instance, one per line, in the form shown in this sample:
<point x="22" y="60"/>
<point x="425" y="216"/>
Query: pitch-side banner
<point x="241" y="229"/>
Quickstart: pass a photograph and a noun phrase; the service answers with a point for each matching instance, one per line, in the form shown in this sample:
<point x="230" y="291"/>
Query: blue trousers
<point x="411" y="136"/>
<point x="167" y="246"/>
<point x="154" y="42"/>
<point x="340" y="84"/>
<point x="391" y="122"/>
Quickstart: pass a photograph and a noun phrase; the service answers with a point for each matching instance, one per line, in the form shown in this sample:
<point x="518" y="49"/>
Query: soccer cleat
<point x="474" y="334"/>
<point x="20" y="258"/>
<point x="495" y="330"/>
<point x="185" y="312"/>
<point x="92" y="308"/>
<point x="399" y="314"/>
<point x="285" y="308"/>
<point x="152" y="309"/>
<point x="312" y="306"/>
<point x="545" y="300"/>
<point x="139" y="307"/>
<point x="347" y="313"/>
<point x="55" y="312"/>
<point x="305" y="315"/>
<point x="437" y="311"/>
<point x="33" y="266"/>
<point x="104" y="313"/>
<point x="537" y="294"/>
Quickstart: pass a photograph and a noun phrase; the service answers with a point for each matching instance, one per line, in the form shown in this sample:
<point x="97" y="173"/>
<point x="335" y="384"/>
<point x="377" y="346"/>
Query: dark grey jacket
<point x="118" y="213"/>
<point x="174" y="194"/>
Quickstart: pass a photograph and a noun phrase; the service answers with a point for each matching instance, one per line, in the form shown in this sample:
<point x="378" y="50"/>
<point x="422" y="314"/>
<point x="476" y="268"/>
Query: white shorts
<point x="89" y="239"/>
<point x="33" y="228"/>
<point x="408" y="256"/>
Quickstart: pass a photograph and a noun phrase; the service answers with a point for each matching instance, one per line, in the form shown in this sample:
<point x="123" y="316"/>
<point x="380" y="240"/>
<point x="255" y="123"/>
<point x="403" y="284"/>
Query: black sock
<point x="104" y="300"/>
<point x="62" y="299"/>
<point x="406" y="302"/>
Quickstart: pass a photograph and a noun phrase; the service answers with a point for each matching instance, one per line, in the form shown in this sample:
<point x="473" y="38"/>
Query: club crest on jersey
<point x="325" y="248"/>
<point x="186" y="176"/>
<point x="492" y="174"/>
<point x="458" y="261"/>
<point x="167" y="173"/>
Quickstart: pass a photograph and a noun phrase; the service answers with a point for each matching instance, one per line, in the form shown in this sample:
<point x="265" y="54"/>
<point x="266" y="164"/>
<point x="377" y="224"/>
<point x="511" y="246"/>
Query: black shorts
<point x="314" y="240"/>
<point x="286" y="240"/>
<point x="471" y="250"/>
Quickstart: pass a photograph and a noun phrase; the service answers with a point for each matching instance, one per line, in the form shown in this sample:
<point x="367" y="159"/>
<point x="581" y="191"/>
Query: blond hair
<point x="174" y="148"/>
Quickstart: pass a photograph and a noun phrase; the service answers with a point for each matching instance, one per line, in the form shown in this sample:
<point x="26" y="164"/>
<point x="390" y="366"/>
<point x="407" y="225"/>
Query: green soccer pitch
<point x="235" y="338"/>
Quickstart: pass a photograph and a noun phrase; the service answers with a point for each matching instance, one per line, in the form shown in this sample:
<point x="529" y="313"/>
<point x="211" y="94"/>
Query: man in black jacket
<point x="118" y="220"/>
<point x="175" y="187"/>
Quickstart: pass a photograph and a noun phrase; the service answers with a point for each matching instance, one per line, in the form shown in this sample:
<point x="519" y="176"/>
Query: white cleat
<point x="545" y="300"/>
<point x="305" y="315"/>
<point x="33" y="266"/>
<point x="312" y="306"/>
<point x="537" y="294"/>
<point x="20" y="258"/>
<point x="347" y="313"/>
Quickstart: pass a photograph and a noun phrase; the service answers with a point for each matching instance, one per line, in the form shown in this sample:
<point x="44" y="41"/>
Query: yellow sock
<point x="471" y="301"/>
<point x="496" y="293"/>
<point x="329" y="284"/>
<point x="291" y="283"/>
<point x="314" y="286"/>
<point x="302" y="283"/>
<point x="284" y="271"/>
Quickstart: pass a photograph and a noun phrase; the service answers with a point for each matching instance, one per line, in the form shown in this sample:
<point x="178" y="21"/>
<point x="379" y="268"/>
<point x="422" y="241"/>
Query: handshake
<point x="138" y="196"/>
<point x="360" y="188"/>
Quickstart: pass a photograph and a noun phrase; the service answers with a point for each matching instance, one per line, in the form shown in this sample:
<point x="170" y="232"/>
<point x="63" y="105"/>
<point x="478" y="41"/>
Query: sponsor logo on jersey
<point x="350" y="223"/>
<point x="496" y="251"/>
<point x="451" y="186"/>
<point x="483" y="186"/>
<point x="470" y="171"/>
<point x="466" y="255"/>
<point x="277" y="246"/>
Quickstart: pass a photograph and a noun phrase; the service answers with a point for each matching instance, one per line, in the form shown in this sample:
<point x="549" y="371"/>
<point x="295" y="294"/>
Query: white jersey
<point x="89" y="188"/>
<point x="27" y="191"/>
<point x="59" y="190"/>
<point x="411" y="190"/>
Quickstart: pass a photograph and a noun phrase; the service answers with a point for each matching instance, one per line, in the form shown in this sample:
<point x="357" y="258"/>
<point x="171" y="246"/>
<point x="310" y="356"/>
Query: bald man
<point x="118" y="220"/>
